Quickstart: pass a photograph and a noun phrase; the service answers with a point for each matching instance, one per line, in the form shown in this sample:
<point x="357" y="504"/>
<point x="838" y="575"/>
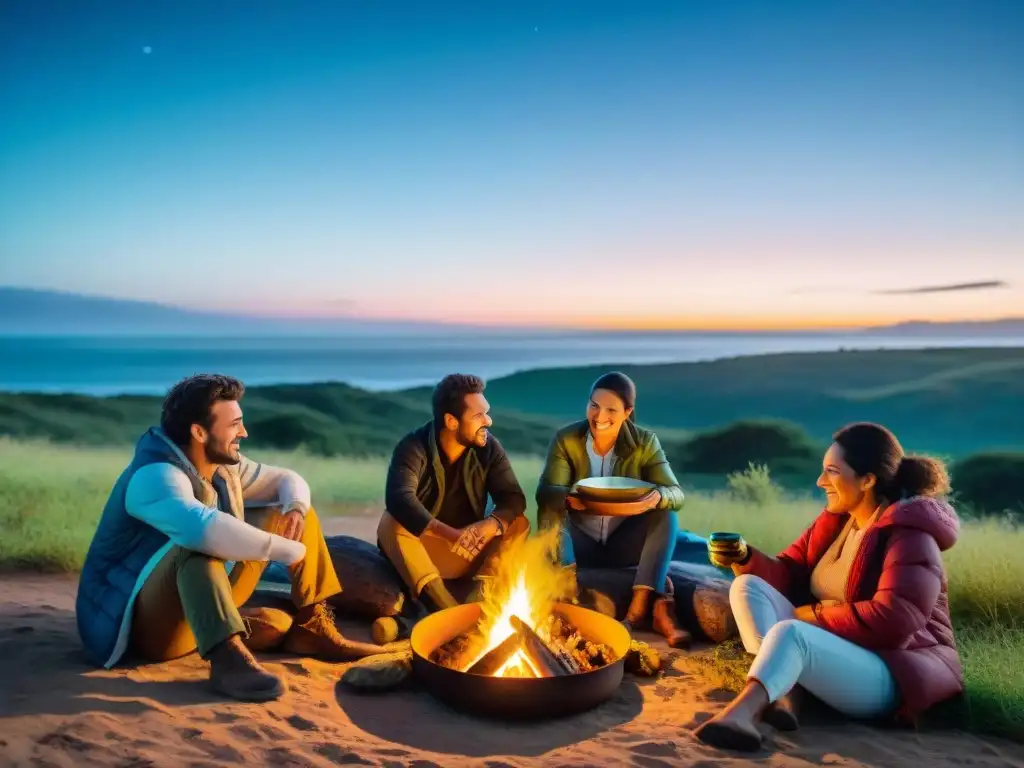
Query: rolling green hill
<point x="327" y="418"/>
<point x="950" y="401"/>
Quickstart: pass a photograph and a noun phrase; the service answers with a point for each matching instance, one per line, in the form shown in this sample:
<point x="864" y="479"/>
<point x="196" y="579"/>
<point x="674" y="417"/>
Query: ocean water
<point x="149" y="365"/>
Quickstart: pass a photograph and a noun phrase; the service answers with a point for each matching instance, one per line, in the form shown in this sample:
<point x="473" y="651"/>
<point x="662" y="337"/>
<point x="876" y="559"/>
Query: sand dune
<point x="56" y="710"/>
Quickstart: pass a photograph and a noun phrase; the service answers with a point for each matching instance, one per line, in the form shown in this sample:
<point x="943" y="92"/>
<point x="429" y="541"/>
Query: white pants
<point x="850" y="679"/>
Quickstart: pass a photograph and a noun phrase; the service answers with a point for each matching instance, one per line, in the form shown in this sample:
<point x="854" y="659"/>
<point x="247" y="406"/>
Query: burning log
<point x="495" y="658"/>
<point x="458" y="651"/>
<point x="585" y="654"/>
<point x="565" y="658"/>
<point x="541" y="658"/>
<point x="565" y="648"/>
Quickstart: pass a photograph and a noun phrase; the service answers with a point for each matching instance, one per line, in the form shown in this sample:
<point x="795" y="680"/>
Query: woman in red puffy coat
<point x="856" y="610"/>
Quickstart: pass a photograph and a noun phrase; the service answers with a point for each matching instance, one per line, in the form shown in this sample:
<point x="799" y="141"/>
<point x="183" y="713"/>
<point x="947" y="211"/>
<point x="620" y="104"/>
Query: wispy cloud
<point x="982" y="285"/>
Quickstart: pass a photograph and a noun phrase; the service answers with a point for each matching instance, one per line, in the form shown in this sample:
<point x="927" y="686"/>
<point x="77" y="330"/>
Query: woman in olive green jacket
<point x="606" y="443"/>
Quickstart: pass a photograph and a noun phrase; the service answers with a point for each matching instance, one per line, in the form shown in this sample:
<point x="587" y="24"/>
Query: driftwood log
<point x="371" y="588"/>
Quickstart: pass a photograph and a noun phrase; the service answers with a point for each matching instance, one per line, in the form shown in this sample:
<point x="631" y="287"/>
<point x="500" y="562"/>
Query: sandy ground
<point x="56" y="710"/>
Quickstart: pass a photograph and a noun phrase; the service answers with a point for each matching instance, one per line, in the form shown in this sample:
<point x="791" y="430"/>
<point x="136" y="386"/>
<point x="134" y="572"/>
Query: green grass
<point x="51" y="498"/>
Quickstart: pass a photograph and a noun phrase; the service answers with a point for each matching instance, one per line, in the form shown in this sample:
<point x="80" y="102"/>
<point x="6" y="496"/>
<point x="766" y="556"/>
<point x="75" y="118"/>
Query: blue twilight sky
<point x="648" y="163"/>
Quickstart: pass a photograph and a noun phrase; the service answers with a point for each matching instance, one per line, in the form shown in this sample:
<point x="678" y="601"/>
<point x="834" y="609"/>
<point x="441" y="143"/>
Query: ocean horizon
<point x="148" y="365"/>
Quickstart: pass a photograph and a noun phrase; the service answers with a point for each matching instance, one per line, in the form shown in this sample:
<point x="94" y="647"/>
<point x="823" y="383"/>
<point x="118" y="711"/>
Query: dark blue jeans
<point x="645" y="541"/>
<point x="649" y="542"/>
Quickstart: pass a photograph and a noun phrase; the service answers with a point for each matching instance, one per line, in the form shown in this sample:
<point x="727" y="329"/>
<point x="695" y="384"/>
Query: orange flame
<point x="525" y="581"/>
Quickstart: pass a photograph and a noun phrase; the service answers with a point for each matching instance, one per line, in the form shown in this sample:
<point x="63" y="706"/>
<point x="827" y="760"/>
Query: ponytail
<point x="920" y="476"/>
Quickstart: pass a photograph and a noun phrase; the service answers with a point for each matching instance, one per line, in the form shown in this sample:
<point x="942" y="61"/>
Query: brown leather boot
<point x="664" y="622"/>
<point x="315" y="634"/>
<point x="639" y="608"/>
<point x="235" y="672"/>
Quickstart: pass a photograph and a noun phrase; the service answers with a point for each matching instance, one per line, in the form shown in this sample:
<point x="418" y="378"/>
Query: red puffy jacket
<point x="896" y="599"/>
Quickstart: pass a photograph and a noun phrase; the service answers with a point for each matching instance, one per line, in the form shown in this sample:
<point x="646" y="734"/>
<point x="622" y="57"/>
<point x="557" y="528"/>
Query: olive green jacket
<point x="638" y="454"/>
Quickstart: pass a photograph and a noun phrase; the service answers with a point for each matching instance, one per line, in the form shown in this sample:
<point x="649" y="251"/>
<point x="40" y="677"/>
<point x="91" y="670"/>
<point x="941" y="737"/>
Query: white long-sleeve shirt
<point x="161" y="495"/>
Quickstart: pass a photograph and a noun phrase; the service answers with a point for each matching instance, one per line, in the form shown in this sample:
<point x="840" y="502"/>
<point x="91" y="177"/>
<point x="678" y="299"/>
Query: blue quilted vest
<point x="121" y="551"/>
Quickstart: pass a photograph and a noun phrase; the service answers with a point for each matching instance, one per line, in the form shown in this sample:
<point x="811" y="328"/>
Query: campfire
<point x="522" y="650"/>
<point x="522" y="632"/>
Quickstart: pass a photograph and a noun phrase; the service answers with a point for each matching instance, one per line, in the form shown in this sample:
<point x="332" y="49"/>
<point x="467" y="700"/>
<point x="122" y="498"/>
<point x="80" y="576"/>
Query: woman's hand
<point x="575" y="502"/>
<point x="654" y="498"/>
<point x="805" y="613"/>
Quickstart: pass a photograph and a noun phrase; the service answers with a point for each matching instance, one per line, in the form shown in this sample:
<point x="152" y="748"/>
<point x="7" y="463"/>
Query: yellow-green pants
<point x="421" y="559"/>
<point x="190" y="602"/>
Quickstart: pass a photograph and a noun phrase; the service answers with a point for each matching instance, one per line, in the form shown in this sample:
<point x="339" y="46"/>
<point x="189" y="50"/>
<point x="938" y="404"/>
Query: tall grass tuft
<point x="754" y="485"/>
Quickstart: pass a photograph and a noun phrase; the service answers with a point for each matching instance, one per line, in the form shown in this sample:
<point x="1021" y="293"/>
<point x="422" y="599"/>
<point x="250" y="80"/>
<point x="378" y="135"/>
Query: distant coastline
<point x="148" y="365"/>
<point x="59" y="342"/>
<point x="107" y="366"/>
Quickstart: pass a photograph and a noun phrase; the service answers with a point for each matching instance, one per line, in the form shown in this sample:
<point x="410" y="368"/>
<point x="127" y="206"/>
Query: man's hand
<point x="475" y="537"/>
<point x="292" y="525"/>
<point x="805" y="613"/>
<point x="443" y="531"/>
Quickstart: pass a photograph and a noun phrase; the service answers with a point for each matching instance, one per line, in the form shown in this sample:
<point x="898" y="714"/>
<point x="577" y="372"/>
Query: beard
<point x="222" y="453"/>
<point x="478" y="438"/>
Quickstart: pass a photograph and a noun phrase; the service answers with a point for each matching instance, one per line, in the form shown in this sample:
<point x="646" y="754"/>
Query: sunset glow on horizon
<point x="738" y="321"/>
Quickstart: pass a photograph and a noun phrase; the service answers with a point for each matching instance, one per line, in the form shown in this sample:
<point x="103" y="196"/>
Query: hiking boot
<point x="639" y="607"/>
<point x="265" y="627"/>
<point x="315" y="634"/>
<point x="664" y="623"/>
<point x="235" y="672"/>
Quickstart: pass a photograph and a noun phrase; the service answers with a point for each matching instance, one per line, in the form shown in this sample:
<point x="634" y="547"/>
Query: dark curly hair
<point x="189" y="402"/>
<point x="450" y="395"/>
<point x="872" y="449"/>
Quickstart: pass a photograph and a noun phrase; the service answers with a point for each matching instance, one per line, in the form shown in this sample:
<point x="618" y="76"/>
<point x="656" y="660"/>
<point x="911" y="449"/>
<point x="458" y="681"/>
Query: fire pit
<point x="522" y="651"/>
<point x="517" y="697"/>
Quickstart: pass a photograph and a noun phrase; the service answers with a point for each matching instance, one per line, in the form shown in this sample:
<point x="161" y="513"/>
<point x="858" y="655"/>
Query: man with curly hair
<point x="184" y="537"/>
<point x="442" y="480"/>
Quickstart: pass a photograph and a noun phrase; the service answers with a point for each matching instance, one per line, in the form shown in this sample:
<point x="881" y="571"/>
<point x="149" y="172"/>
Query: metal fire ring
<point x="517" y="697"/>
